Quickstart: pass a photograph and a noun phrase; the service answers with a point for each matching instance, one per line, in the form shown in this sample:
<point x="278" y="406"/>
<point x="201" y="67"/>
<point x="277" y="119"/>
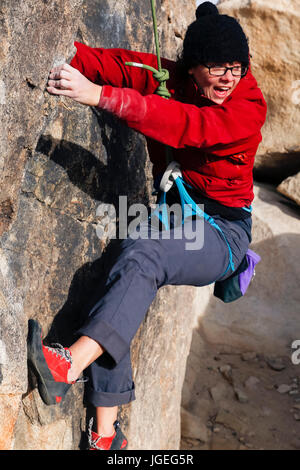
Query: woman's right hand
<point x="65" y="80"/>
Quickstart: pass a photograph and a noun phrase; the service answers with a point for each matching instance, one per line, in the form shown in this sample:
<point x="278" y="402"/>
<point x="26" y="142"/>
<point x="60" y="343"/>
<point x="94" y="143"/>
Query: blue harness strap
<point x="248" y="209"/>
<point x="189" y="207"/>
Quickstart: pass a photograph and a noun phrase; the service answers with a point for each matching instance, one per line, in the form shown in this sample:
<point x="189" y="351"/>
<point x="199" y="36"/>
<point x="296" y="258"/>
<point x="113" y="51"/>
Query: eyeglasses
<point x="218" y="71"/>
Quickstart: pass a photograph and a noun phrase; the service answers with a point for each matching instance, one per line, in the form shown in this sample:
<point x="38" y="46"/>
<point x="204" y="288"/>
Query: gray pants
<point x="144" y="266"/>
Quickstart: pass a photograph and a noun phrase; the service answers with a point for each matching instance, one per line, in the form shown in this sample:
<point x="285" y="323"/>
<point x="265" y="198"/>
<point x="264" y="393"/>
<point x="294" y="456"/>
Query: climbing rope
<point x="161" y="75"/>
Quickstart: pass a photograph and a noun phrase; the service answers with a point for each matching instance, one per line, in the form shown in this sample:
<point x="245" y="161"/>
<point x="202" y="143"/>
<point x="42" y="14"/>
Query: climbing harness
<point x="173" y="174"/>
<point x="188" y="205"/>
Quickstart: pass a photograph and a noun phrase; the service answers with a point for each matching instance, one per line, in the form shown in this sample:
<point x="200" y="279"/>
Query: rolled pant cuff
<point x="106" y="399"/>
<point x="107" y="337"/>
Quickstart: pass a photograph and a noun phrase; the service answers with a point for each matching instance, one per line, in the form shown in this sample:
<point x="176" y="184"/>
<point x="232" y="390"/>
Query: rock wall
<point x="59" y="162"/>
<point x="31" y="39"/>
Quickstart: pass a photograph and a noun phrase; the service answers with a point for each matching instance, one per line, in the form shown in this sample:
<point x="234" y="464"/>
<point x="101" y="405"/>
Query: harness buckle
<point x="171" y="173"/>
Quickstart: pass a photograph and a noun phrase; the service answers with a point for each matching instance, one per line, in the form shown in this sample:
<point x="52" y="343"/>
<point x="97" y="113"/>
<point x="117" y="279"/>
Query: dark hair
<point x="213" y="38"/>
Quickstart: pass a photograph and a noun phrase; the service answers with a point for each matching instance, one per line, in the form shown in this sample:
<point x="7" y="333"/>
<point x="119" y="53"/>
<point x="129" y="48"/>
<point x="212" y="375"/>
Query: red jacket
<point x="214" y="144"/>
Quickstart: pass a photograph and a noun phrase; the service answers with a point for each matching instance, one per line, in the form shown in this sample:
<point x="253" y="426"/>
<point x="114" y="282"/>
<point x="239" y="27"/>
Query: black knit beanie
<point x="214" y="38"/>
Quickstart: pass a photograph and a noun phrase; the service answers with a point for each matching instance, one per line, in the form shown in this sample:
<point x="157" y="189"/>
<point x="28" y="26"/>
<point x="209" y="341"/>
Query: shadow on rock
<point x="84" y="170"/>
<point x="87" y="287"/>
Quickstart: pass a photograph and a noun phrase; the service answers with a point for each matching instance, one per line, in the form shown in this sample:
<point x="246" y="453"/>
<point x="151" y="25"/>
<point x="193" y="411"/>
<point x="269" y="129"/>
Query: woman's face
<point x="215" y="88"/>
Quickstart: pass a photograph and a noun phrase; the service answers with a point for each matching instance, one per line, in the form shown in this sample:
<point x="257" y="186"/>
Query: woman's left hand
<point x="68" y="81"/>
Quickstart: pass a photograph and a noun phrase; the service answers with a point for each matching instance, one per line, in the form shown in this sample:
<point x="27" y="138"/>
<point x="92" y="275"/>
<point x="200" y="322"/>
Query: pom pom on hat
<point x="206" y="8"/>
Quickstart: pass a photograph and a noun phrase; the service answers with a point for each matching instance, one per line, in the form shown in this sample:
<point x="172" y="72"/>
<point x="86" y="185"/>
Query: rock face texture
<point x="61" y="161"/>
<point x="31" y="35"/>
<point x="290" y="187"/>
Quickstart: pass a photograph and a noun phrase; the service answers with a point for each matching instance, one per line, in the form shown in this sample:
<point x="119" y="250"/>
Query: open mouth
<point x="222" y="92"/>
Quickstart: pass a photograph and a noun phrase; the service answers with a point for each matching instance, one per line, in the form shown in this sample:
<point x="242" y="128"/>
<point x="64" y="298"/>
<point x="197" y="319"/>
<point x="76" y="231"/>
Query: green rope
<point x="161" y="75"/>
<point x="155" y="34"/>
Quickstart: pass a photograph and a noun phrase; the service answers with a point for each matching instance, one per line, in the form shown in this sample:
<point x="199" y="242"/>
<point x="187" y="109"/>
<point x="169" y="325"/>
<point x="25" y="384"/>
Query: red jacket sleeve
<point x="220" y="129"/>
<point x="107" y="67"/>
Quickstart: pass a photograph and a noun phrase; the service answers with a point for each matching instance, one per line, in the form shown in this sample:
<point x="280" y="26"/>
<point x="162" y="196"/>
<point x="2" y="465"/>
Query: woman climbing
<point x="212" y="122"/>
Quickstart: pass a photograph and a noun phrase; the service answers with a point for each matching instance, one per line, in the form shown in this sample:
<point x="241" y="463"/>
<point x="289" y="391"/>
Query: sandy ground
<point x="239" y="401"/>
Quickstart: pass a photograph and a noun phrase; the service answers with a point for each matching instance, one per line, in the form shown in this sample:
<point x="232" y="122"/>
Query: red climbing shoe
<point x="50" y="365"/>
<point x="115" y="442"/>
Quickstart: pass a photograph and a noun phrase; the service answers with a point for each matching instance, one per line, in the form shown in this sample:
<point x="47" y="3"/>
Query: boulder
<point x="266" y="318"/>
<point x="60" y="161"/>
<point x="290" y="187"/>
